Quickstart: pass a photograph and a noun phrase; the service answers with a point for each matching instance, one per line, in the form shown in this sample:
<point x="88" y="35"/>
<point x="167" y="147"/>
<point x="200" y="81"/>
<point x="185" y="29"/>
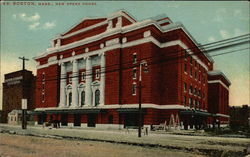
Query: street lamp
<point x="144" y="64"/>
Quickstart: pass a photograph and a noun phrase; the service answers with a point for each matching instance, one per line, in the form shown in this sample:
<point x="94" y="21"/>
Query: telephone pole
<point x="24" y="59"/>
<point x="24" y="124"/>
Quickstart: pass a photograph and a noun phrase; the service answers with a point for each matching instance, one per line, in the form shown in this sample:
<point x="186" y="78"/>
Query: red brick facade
<point x="16" y="86"/>
<point x="177" y="79"/>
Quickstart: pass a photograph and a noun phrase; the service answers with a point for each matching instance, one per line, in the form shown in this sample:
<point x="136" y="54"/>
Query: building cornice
<point x="129" y="44"/>
<point x="114" y="31"/>
<point x="222" y="115"/>
<point x="116" y="106"/>
<point x="219" y="81"/>
<point x="218" y="72"/>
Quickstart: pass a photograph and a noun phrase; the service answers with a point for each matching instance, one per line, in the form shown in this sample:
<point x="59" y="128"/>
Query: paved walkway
<point x="204" y="144"/>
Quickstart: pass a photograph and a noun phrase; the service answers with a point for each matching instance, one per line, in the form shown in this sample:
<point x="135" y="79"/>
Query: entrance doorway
<point x="64" y="119"/>
<point x="131" y="120"/>
<point x="41" y="118"/>
<point x="77" y="119"/>
<point x="91" y="120"/>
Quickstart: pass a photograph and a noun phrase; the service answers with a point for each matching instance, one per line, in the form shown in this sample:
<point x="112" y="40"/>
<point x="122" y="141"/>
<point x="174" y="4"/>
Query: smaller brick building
<point x="239" y="116"/>
<point x="17" y="85"/>
<point x="218" y="96"/>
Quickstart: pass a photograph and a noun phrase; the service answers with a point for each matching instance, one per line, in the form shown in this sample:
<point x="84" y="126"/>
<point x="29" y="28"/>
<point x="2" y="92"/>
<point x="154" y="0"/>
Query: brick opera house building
<point x="89" y="77"/>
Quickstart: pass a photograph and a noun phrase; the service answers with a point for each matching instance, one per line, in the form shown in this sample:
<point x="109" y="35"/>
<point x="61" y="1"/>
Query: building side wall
<point x="112" y="77"/>
<point x="213" y="98"/>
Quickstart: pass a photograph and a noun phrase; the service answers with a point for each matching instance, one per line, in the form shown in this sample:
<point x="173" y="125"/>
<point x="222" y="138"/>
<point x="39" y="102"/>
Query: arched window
<point x="70" y="98"/>
<point x="82" y="98"/>
<point x="97" y="97"/>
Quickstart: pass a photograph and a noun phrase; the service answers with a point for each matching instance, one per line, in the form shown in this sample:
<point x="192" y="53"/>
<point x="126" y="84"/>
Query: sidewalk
<point x="203" y="144"/>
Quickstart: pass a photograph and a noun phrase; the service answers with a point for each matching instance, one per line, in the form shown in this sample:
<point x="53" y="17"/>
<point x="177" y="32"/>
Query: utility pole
<point x="24" y="125"/>
<point x="142" y="63"/>
<point x="24" y="59"/>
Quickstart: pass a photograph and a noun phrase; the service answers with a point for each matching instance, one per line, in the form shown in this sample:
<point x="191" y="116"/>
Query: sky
<point x="26" y="30"/>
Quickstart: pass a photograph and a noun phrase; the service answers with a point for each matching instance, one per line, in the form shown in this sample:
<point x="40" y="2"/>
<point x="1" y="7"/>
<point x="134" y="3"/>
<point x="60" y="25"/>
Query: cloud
<point x="34" y="21"/>
<point x="24" y="17"/>
<point x="49" y="25"/>
<point x="224" y="34"/>
<point x="45" y="26"/>
<point x="34" y="26"/>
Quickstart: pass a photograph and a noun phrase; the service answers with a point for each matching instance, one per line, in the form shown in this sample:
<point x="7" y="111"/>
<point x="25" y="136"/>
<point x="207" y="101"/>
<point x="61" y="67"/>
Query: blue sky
<point x="27" y="31"/>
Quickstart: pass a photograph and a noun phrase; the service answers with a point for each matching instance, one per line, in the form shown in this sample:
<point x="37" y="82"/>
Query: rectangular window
<point x="83" y="76"/>
<point x="190" y="89"/>
<point x="134" y="58"/>
<point x="191" y="71"/>
<point x="195" y="75"/>
<point x="185" y="86"/>
<point x="191" y="60"/>
<point x="194" y="91"/>
<point x="43" y="97"/>
<point x="134" y="89"/>
<point x="43" y="77"/>
<point x="190" y="102"/>
<point x="185" y="53"/>
<point x="70" y="78"/>
<point x="97" y="73"/>
<point x="134" y="73"/>
<point x="43" y="86"/>
<point x="185" y="67"/>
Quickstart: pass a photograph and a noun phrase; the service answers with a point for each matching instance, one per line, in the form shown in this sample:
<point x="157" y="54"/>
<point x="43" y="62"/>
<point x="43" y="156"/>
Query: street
<point x="26" y="146"/>
<point x="75" y="141"/>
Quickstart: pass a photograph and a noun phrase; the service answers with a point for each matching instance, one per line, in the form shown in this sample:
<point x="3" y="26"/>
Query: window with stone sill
<point x="191" y="60"/>
<point x="43" y="97"/>
<point x="134" y="58"/>
<point x="185" y="86"/>
<point x="134" y="89"/>
<point x="191" y="102"/>
<point x="43" y="77"/>
<point x="134" y="73"/>
<point x="185" y="54"/>
<point x="191" y="90"/>
<point x="185" y="67"/>
<point x="185" y="100"/>
<point x="43" y="86"/>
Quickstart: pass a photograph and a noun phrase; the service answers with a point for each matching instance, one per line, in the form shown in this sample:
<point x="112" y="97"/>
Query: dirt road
<point x="27" y="146"/>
